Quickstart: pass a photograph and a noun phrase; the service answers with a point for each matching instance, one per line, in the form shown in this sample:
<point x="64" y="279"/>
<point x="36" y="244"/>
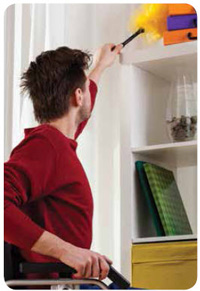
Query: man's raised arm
<point x="103" y="59"/>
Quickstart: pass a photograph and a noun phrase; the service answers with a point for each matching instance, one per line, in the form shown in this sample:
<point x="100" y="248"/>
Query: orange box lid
<point x="181" y="9"/>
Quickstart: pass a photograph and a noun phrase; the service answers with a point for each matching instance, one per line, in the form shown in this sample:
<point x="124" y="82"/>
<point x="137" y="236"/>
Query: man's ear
<point x="78" y="97"/>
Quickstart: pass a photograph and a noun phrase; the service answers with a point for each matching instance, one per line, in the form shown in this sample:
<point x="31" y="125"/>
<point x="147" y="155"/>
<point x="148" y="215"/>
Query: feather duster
<point x="152" y="18"/>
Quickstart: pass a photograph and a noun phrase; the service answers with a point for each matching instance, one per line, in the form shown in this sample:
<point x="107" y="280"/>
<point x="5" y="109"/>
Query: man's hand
<point x="88" y="264"/>
<point x="104" y="58"/>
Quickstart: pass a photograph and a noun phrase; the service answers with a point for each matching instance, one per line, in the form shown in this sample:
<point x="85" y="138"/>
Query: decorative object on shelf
<point x="181" y="21"/>
<point x="176" y="23"/>
<point x="168" y="200"/>
<point x="149" y="198"/>
<point x="181" y="9"/>
<point x="181" y="24"/>
<point x="181" y="115"/>
<point x="178" y="36"/>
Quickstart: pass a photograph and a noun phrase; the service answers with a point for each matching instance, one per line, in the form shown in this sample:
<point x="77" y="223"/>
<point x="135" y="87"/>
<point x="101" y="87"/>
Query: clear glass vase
<point x="181" y="115"/>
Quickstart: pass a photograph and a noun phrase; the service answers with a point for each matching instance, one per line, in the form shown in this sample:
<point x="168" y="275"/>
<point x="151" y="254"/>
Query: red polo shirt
<point x="46" y="188"/>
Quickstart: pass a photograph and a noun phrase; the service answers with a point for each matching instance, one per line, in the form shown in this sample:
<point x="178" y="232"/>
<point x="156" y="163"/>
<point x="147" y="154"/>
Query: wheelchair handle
<point x="66" y="270"/>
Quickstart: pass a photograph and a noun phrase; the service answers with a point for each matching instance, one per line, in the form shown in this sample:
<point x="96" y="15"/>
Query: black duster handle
<point x="139" y="31"/>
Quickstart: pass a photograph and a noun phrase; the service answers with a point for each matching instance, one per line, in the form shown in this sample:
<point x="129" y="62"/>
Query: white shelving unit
<point x="164" y="238"/>
<point x="161" y="60"/>
<point x="147" y="75"/>
<point x="179" y="154"/>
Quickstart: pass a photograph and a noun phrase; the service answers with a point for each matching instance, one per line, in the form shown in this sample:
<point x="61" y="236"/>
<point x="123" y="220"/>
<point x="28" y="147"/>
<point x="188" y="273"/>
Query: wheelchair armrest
<point x="113" y="274"/>
<point x="39" y="268"/>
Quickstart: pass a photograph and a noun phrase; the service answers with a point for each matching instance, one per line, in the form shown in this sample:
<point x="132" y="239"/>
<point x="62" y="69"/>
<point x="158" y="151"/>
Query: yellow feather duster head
<point x="151" y="17"/>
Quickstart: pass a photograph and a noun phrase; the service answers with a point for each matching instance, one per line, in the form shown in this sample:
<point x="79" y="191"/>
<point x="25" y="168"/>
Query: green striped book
<point x="168" y="200"/>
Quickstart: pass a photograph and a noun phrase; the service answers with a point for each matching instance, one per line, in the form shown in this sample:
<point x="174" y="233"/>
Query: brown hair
<point x="52" y="79"/>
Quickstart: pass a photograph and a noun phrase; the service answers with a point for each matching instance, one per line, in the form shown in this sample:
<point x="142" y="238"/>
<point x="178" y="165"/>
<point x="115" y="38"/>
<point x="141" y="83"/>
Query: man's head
<point x="53" y="79"/>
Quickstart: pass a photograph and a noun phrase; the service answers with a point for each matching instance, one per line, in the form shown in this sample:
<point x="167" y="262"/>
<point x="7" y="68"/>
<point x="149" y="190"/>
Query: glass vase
<point x="181" y="115"/>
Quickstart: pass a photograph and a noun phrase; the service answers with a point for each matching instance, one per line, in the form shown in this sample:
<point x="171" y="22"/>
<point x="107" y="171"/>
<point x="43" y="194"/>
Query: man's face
<point x="85" y="109"/>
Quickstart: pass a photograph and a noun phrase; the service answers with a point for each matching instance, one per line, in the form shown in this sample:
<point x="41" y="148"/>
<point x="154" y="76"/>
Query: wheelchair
<point x="15" y="270"/>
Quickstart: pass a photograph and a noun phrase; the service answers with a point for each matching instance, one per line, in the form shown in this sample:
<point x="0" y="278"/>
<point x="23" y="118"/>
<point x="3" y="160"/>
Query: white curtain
<point x="33" y="28"/>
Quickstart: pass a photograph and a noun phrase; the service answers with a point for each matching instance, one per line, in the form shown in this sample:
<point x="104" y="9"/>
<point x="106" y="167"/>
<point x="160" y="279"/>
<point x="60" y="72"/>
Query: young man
<point x="48" y="202"/>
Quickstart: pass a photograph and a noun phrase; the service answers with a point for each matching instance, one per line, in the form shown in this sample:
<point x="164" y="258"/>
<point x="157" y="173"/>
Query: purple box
<point x="177" y="22"/>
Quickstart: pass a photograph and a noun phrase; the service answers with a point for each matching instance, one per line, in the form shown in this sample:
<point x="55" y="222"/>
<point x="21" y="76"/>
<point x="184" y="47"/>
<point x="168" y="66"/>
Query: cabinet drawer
<point x="171" y="265"/>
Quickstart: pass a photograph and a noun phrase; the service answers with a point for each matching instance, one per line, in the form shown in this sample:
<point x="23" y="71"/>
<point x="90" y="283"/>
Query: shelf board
<point x="163" y="60"/>
<point x="164" y="238"/>
<point x="179" y="154"/>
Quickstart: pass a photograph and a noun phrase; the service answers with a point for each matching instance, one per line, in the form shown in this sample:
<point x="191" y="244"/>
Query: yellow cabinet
<point x="166" y="265"/>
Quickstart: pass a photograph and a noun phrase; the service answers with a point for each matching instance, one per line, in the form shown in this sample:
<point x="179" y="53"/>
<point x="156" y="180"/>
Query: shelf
<point x="165" y="238"/>
<point x="163" y="60"/>
<point x="146" y="83"/>
<point x="179" y="154"/>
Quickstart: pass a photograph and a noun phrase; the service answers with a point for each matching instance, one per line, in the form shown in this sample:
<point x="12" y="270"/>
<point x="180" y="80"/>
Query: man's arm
<point x="86" y="262"/>
<point x="27" y="173"/>
<point x="103" y="59"/>
<point x="25" y="177"/>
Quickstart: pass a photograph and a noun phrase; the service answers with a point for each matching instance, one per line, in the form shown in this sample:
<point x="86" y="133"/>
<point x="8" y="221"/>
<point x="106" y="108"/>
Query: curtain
<point x="33" y="28"/>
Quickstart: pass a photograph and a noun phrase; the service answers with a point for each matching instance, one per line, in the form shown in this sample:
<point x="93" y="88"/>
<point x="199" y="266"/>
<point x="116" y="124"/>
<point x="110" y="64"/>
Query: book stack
<point x="181" y="24"/>
<point x="164" y="200"/>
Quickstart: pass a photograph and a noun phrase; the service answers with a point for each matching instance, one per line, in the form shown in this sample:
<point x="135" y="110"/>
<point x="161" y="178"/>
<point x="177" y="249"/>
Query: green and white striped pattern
<point x="168" y="200"/>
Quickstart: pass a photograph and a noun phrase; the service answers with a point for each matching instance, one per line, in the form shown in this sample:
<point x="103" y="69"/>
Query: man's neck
<point x="66" y="125"/>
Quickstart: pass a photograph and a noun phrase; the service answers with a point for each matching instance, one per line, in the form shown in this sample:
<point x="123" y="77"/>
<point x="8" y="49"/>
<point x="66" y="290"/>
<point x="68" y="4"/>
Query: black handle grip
<point x="134" y="35"/>
<point x="27" y="268"/>
<point x="118" y="279"/>
<point x="189" y="35"/>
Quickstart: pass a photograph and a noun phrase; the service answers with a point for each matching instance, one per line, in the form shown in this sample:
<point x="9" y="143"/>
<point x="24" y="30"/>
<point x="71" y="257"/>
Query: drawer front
<point x="164" y="265"/>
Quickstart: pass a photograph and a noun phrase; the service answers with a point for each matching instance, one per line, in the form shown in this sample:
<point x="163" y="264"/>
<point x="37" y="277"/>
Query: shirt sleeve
<point x="93" y="92"/>
<point x="26" y="175"/>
